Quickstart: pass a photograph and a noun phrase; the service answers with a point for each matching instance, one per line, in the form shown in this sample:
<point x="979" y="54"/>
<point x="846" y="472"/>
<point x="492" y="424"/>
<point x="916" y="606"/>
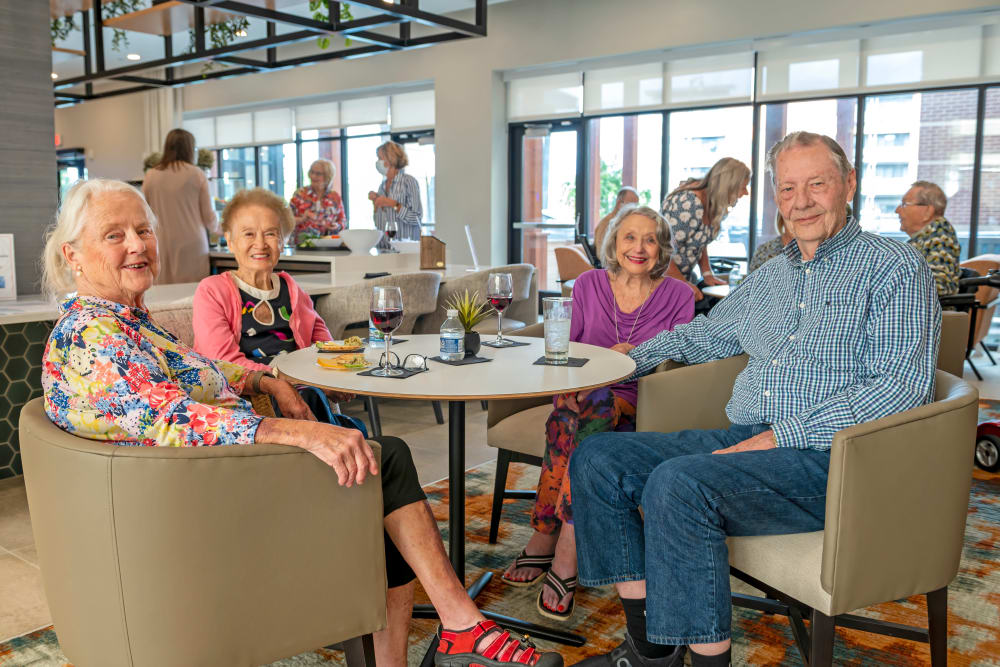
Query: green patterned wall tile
<point x="21" y="348"/>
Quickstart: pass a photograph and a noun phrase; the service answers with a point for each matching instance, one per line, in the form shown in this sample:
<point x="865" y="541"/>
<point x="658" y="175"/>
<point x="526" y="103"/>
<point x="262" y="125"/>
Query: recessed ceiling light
<point x="241" y="33"/>
<point x="55" y="76"/>
<point x="134" y="56"/>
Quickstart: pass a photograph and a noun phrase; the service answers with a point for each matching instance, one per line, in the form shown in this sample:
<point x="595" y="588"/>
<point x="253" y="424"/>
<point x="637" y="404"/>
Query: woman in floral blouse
<point x="694" y="211"/>
<point x="318" y="209"/>
<point x="109" y="372"/>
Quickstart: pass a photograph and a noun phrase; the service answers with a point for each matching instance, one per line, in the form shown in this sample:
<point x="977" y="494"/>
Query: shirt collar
<point x="929" y="229"/>
<point x="850" y="231"/>
<point x="80" y="302"/>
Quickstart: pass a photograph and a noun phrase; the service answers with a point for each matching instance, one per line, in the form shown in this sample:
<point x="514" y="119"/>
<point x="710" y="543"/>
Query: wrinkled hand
<point x="760" y="441"/>
<point x="372" y="195"/>
<point x="624" y="348"/>
<point x="345" y="450"/>
<point x="384" y="202"/>
<point x="289" y="402"/>
<point x="339" y="396"/>
<point x="710" y="279"/>
<point x="573" y="399"/>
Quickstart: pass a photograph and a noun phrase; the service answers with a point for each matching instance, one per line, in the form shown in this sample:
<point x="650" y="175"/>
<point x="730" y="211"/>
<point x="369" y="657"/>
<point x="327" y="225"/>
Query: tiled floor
<point x="22" y="601"/>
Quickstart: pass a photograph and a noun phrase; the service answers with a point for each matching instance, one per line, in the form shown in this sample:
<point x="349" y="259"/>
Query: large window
<point x="926" y="136"/>
<point x="622" y="150"/>
<point x="699" y="139"/>
<point x="237" y="171"/>
<point x="362" y="177"/>
<point x="278" y="170"/>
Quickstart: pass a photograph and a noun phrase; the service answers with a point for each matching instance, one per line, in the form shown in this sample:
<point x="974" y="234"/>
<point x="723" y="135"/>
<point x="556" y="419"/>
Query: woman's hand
<point x="372" y="195"/>
<point x="289" y="402"/>
<point x="385" y="202"/>
<point x="698" y="296"/>
<point x="343" y="449"/>
<point x="338" y="396"/>
<point x="710" y="279"/>
<point x="624" y="348"/>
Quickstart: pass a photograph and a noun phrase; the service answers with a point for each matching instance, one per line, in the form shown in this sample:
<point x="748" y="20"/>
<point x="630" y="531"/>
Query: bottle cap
<point x="452" y="312"/>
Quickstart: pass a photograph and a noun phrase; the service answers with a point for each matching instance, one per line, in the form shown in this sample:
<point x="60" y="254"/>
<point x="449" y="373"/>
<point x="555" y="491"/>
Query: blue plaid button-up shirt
<point x="845" y="338"/>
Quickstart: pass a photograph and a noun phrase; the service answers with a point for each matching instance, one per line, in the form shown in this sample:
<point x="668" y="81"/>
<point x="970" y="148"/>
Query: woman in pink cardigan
<point x="253" y="314"/>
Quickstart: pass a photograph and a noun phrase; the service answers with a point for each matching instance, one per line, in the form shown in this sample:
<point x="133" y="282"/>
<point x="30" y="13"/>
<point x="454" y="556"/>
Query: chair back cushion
<point x="524" y="307"/>
<point x="983" y="264"/>
<point x="897" y="500"/>
<point x="954" y="339"/>
<point x="347" y="305"/>
<point x="201" y="555"/>
<point x="177" y="320"/>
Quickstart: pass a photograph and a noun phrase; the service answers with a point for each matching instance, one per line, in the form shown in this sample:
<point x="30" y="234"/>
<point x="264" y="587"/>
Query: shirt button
<point x="774" y="362"/>
<point x="792" y="337"/>
<point x="808" y="270"/>
<point x="767" y="393"/>
<point x="802" y="305"/>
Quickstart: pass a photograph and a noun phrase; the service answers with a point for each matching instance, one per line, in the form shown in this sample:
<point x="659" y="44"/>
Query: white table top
<point x="511" y="374"/>
<point x="718" y="291"/>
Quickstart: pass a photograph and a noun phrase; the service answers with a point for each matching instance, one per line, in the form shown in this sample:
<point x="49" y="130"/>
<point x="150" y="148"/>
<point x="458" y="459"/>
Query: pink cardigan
<point x="217" y="316"/>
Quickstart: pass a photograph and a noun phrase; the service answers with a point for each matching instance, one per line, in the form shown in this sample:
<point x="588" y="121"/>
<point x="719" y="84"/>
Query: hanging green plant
<point x="109" y="10"/>
<point x="60" y="28"/>
<point x="219" y="35"/>
<point x="321" y="12"/>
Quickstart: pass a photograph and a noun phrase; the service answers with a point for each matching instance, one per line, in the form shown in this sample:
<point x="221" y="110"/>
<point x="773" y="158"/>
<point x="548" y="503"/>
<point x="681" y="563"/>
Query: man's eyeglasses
<point x="411" y="362"/>
<point x="904" y="204"/>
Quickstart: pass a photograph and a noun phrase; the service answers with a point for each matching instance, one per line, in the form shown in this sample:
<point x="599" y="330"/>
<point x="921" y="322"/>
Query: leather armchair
<point x="238" y="555"/>
<point x="886" y="537"/>
<point x="523" y="309"/>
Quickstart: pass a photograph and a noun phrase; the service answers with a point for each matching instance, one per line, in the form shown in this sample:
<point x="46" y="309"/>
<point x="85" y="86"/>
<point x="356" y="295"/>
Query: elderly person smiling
<point x="629" y="302"/>
<point x="111" y="373"/>
<point x="318" y="209"/>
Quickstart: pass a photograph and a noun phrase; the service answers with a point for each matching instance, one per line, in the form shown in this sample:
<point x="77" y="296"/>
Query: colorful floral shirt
<point x="110" y="373"/>
<point x="689" y="236"/>
<point x="765" y="251"/>
<point x="938" y="243"/>
<point x="317" y="215"/>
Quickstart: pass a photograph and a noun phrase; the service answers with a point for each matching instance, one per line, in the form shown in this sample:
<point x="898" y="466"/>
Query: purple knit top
<point x="670" y="304"/>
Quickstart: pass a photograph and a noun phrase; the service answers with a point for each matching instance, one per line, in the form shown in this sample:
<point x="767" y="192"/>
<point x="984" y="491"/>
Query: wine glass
<point x="500" y="292"/>
<point x="386" y="310"/>
<point x="391" y="230"/>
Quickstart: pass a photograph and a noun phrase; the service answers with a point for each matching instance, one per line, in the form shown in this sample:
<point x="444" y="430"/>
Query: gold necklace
<point x="636" y="320"/>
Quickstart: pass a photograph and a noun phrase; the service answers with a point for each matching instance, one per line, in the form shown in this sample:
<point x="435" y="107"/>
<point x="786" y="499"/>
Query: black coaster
<point x="513" y="343"/>
<point x="572" y="361"/>
<point x="381" y="343"/>
<point x="461" y="362"/>
<point x="407" y="372"/>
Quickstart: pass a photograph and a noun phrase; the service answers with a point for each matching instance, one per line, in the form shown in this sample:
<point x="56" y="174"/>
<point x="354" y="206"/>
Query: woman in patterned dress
<point x="694" y="211"/>
<point x="109" y="372"/>
<point x="318" y="209"/>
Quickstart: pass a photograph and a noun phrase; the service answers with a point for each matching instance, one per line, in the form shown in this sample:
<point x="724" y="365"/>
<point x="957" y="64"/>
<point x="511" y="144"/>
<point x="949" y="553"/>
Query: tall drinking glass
<point x="500" y="292"/>
<point x="557" y="311"/>
<point x="391" y="232"/>
<point x="386" y="310"/>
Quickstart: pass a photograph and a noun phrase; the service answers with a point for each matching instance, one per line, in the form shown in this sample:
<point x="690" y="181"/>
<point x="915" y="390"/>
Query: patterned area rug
<point x="973" y="598"/>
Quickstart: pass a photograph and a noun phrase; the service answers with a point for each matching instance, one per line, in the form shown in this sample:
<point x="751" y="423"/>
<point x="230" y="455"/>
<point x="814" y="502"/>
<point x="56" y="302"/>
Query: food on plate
<point x="344" y="362"/>
<point x="352" y="344"/>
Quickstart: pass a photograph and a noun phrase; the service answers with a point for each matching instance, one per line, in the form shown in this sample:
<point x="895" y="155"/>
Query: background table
<point x="718" y="291"/>
<point x="511" y="375"/>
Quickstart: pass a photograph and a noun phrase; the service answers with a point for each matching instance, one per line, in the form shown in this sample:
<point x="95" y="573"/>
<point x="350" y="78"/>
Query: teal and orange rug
<point x="973" y="598"/>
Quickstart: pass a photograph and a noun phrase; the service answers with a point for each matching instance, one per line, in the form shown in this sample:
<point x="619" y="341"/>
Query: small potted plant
<point x="471" y="311"/>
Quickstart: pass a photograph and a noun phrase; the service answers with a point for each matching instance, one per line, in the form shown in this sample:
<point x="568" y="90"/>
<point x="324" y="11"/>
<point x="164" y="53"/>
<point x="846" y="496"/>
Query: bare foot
<point x="540" y="544"/>
<point x="563" y="566"/>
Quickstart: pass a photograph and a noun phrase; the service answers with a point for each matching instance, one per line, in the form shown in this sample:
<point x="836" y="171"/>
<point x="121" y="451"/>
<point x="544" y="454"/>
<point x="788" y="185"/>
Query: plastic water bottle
<point x="452" y="338"/>
<point x="374" y="335"/>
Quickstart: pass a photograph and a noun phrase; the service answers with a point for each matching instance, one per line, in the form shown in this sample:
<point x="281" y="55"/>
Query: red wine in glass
<point x="391" y="233"/>
<point x="387" y="320"/>
<point x="500" y="302"/>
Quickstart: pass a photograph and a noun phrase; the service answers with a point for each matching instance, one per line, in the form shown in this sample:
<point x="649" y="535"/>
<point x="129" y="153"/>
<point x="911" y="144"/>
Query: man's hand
<point x="346" y="451"/>
<point x="289" y="402"/>
<point x="339" y="396"/>
<point x="624" y="348"/>
<point x="760" y="441"/>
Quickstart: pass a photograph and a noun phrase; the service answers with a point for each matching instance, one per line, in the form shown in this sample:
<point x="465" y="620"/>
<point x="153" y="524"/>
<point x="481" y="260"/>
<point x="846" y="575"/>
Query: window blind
<point x="619" y="88"/>
<point x="410" y="111"/>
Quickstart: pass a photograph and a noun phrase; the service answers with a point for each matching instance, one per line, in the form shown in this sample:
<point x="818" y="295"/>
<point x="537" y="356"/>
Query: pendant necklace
<point x="635" y="321"/>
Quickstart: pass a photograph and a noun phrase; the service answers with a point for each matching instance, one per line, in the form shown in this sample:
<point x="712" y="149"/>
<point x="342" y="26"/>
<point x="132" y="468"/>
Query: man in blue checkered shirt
<point x="842" y="327"/>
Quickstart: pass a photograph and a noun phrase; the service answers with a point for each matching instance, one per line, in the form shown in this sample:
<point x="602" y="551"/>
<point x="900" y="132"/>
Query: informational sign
<point x="8" y="285"/>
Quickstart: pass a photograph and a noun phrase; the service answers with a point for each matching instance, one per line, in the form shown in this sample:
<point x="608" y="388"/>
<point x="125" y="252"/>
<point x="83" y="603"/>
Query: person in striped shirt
<point x="398" y="196"/>
<point x="842" y="327"/>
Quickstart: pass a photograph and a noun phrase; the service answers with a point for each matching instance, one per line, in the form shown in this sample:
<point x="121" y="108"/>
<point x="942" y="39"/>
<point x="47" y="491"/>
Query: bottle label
<point x="374" y="333"/>
<point x="452" y="345"/>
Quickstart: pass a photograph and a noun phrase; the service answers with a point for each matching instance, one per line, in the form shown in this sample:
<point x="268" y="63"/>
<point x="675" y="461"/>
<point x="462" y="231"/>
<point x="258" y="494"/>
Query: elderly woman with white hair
<point x="111" y="373"/>
<point x="318" y="208"/>
<point x="695" y="210"/>
<point x="629" y="301"/>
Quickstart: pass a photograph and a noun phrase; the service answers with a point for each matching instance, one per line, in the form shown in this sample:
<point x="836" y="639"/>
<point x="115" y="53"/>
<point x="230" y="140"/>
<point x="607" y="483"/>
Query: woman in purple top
<point x="629" y="302"/>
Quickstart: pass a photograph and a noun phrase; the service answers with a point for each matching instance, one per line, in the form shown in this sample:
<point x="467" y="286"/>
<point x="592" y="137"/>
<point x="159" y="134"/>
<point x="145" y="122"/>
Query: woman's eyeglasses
<point x="411" y="362"/>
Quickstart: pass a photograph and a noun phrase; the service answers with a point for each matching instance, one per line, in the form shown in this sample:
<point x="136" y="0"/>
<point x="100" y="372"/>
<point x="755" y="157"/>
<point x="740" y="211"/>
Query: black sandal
<point x="543" y="563"/>
<point x="562" y="587"/>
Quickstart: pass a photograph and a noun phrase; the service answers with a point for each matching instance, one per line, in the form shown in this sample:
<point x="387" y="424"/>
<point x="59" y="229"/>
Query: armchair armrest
<point x="687" y="396"/>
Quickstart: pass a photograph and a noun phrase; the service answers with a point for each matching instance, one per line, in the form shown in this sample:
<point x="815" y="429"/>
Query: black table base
<point x="456" y="544"/>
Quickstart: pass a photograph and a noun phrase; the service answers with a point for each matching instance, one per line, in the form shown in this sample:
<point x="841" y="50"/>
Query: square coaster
<point x="461" y="362"/>
<point x="575" y="362"/>
<point x="407" y="372"/>
<point x="513" y="343"/>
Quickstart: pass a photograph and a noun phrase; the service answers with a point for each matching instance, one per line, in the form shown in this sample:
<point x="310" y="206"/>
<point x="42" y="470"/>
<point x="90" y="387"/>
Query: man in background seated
<point x="626" y="195"/>
<point x="840" y="328"/>
<point x="921" y="216"/>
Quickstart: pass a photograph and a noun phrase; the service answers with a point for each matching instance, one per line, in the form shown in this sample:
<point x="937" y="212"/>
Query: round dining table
<point x="511" y="373"/>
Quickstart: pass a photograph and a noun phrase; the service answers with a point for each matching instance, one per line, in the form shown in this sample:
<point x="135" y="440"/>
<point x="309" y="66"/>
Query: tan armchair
<point x="954" y="339"/>
<point x="886" y="537"/>
<point x="571" y="262"/>
<point x="983" y="264"/>
<point x="522" y="311"/>
<point x="238" y="555"/>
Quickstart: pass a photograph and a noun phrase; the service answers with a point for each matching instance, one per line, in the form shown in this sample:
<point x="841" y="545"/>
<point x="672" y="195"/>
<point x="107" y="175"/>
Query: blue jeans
<point x="691" y="500"/>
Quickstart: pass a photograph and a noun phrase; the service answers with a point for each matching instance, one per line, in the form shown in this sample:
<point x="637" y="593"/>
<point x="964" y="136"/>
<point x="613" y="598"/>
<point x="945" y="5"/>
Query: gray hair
<point x="609" y="248"/>
<point x="73" y="215"/>
<point x="932" y="195"/>
<point x="802" y="139"/>
<point x="623" y="190"/>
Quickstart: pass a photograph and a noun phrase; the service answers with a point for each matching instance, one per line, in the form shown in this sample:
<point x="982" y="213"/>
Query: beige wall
<point x="470" y="132"/>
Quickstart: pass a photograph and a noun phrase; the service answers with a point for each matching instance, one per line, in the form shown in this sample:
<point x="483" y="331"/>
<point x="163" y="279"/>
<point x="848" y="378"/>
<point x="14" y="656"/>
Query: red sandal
<point x="457" y="648"/>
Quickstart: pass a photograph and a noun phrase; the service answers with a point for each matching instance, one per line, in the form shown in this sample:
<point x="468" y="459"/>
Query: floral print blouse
<point x="317" y="215"/>
<point x="938" y="243"/>
<point x="765" y="251"/>
<point x="110" y="373"/>
<point x="688" y="235"/>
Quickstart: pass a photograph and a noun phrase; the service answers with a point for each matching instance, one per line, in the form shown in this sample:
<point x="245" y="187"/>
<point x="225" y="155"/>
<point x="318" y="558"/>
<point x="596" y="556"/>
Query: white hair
<point x="73" y="215"/>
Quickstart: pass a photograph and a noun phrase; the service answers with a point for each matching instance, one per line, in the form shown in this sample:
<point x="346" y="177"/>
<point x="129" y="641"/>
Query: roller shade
<point x="272" y="126"/>
<point x="411" y="111"/>
<point x="203" y="130"/>
<point x="234" y="129"/>
<point x="805" y="69"/>
<point x="726" y="77"/>
<point x="317" y="116"/>
<point x="365" y="111"/>
<point x="551" y="95"/>
<point x="618" y="88"/>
